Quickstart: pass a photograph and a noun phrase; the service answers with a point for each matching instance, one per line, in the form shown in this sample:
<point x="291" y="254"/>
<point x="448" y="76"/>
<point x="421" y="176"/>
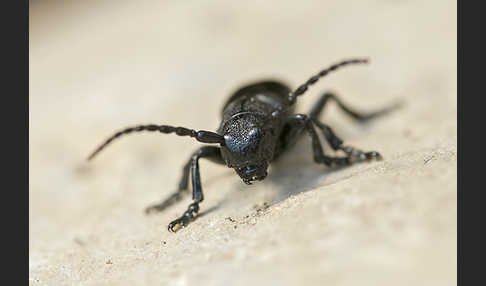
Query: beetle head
<point x="247" y="149"/>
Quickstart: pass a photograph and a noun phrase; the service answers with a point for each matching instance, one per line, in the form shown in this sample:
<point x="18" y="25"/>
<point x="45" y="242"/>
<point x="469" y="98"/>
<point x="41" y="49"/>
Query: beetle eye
<point x="254" y="132"/>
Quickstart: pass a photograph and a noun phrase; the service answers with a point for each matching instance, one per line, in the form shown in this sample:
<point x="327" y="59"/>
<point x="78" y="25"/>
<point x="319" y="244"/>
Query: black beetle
<point x="258" y="125"/>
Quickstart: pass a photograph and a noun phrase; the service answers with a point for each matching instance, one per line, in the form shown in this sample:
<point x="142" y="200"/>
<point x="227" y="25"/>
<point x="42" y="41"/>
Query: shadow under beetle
<point x="258" y="125"/>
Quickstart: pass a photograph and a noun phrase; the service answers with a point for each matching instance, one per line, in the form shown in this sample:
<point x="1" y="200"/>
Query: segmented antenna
<point x="201" y="136"/>
<point x="303" y="88"/>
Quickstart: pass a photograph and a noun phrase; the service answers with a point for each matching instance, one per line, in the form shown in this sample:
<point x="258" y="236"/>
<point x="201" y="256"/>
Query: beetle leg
<point x="304" y="122"/>
<point x="358" y="116"/>
<point x="190" y="214"/>
<point x="337" y="144"/>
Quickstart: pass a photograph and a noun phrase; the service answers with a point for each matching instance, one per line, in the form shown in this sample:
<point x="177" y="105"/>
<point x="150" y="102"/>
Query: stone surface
<point x="96" y="67"/>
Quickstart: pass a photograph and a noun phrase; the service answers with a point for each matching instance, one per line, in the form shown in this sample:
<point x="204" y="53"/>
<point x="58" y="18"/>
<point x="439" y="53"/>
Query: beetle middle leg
<point x="212" y="153"/>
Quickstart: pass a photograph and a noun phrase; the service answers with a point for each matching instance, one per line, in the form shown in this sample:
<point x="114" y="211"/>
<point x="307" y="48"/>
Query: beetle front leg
<point x="356" y="155"/>
<point x="304" y="122"/>
<point x="192" y="211"/>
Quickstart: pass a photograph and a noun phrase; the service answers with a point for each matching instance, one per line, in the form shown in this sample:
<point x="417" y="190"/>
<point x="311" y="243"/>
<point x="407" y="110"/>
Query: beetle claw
<point x="189" y="215"/>
<point x="175" y="225"/>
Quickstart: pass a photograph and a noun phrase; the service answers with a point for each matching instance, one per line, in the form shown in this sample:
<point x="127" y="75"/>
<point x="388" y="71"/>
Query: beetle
<point x="258" y="124"/>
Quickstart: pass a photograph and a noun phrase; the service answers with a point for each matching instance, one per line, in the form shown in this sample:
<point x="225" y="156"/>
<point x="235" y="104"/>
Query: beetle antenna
<point x="201" y="136"/>
<point x="303" y="88"/>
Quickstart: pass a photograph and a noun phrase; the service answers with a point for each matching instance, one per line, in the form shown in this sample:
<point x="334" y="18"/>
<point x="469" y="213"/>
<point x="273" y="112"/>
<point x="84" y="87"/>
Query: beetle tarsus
<point x="189" y="215"/>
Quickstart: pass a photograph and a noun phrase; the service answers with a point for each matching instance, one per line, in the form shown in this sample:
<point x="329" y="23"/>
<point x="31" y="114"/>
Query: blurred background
<point x="99" y="66"/>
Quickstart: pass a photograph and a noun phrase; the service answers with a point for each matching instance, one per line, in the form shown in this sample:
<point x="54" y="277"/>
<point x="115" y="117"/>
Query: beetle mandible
<point x="258" y="125"/>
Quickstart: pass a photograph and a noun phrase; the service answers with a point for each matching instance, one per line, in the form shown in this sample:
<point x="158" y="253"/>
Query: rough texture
<point x="98" y="67"/>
